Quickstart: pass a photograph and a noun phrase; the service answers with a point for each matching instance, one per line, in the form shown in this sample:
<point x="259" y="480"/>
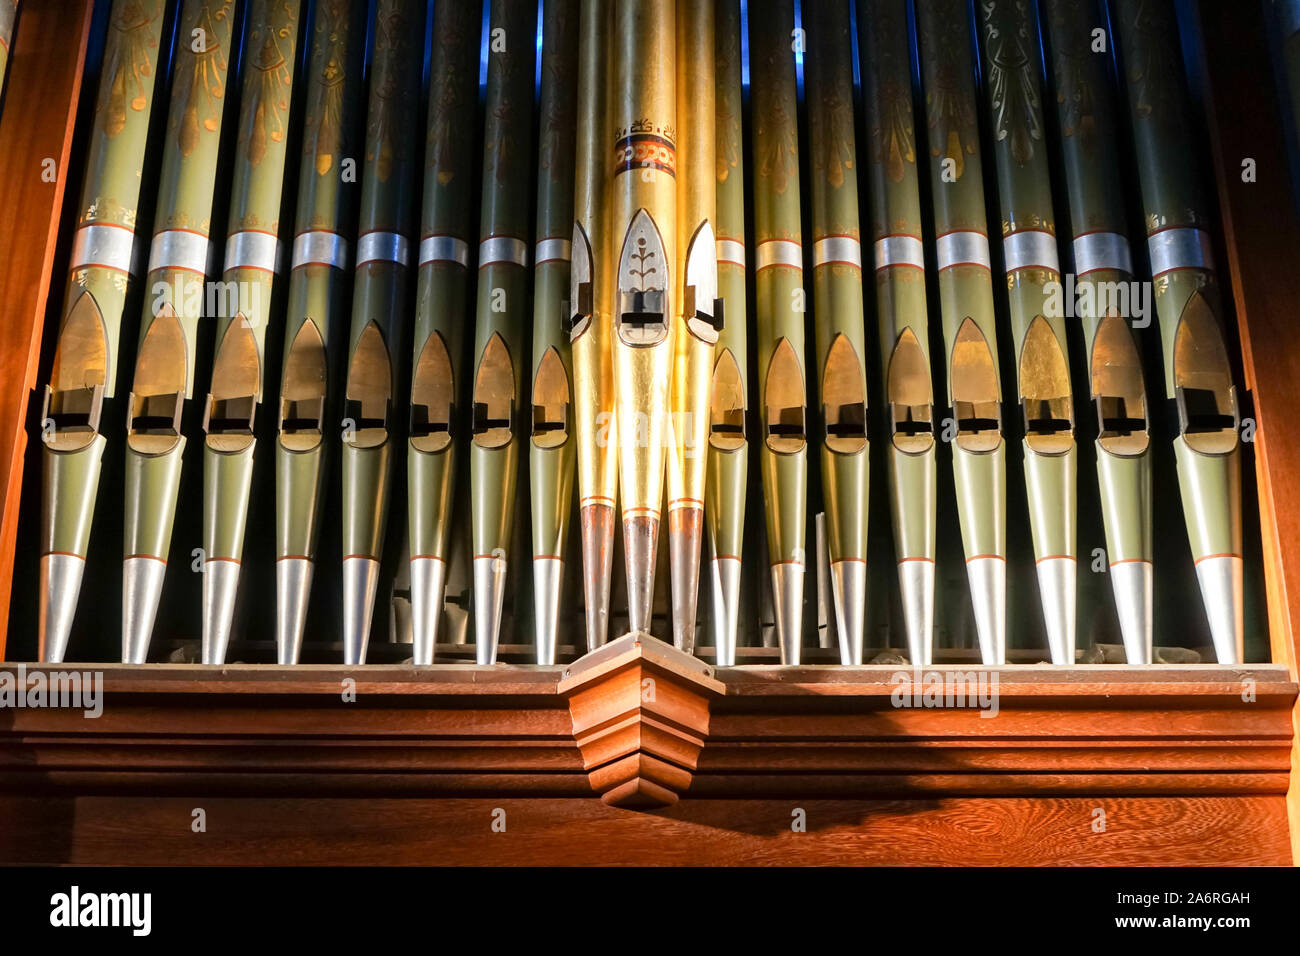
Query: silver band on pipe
<point x="843" y="250"/>
<point x="899" y="251"/>
<point x="1179" y="248"/>
<point x="1030" y="249"/>
<point x="320" y="247"/>
<point x="179" y="249"/>
<point x="252" y="249"/>
<point x="1094" y="251"/>
<point x="730" y="251"/>
<point x="383" y="247"/>
<point x="102" y="245"/>
<point x="502" y="250"/>
<point x="962" y="248"/>
<point x="778" y="252"/>
<point x="552" y="250"/>
<point x="443" y="249"/>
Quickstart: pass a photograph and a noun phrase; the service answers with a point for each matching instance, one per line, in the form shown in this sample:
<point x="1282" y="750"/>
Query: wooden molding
<point x="640" y="711"/>
<point x="399" y="764"/>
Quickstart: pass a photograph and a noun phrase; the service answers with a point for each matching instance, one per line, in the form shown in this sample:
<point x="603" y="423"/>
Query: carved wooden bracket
<point x="640" y="711"/>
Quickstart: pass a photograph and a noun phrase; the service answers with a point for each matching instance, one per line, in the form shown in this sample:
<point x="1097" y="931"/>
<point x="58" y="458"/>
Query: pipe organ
<point x="855" y="336"/>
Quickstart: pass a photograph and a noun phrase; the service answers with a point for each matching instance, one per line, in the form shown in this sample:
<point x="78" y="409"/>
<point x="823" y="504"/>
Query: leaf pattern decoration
<point x="269" y="86"/>
<point x="1017" y="110"/>
<point x="449" y="90"/>
<point x="127" y="61"/>
<point x="324" y="123"/>
<point x="950" y="100"/>
<point x="207" y="79"/>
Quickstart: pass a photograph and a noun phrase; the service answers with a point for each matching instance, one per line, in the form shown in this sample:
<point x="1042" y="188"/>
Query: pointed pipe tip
<point x="142" y="584"/>
<point x="597" y="522"/>
<point x="916" y="584"/>
<point x="640" y="544"/>
<point x="292" y="590"/>
<point x="548" y="578"/>
<point x="489" y="599"/>
<point x="61" y="576"/>
<point x="787" y="605"/>
<point x="428" y="583"/>
<point x="360" y="585"/>
<point x="1056" y="589"/>
<point x="1222" y="587"/>
<point x="849" y="591"/>
<point x="685" y="534"/>
<point x="1132" y="583"/>
<point x="726" y="608"/>
<point x="220" y="587"/>
<point x="987" y="575"/>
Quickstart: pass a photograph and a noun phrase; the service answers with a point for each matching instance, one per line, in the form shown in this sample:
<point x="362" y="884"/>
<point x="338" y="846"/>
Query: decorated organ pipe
<point x="316" y="313"/>
<point x="1198" y="376"/>
<point x="179" y="258"/>
<point x="1011" y="68"/>
<point x="728" y="471"/>
<point x="380" y="306"/>
<point x="1085" y="110"/>
<point x="88" y="343"/>
<point x="442" y="302"/>
<point x="551" y="458"/>
<point x="971" y="366"/>
<point x="902" y="314"/>
<point x="252" y="264"/>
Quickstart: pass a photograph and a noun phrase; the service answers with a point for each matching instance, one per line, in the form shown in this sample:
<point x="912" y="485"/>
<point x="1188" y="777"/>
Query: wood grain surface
<point x="305" y="831"/>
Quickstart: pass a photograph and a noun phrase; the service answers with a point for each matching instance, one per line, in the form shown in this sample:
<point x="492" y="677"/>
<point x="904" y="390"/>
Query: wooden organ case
<point x="639" y="750"/>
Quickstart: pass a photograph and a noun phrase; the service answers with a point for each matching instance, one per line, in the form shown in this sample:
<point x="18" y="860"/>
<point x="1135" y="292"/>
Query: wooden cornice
<point x="744" y="731"/>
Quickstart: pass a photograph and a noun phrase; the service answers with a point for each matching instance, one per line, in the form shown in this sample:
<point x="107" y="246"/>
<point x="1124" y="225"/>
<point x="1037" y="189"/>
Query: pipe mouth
<point x="727" y="405"/>
<point x="976" y="395"/>
<point x="1118" y="390"/>
<point x="911" y="396"/>
<point x="369" y="395"/>
<point x="302" y="391"/>
<point x="551" y="397"/>
<point x="844" y="399"/>
<point x="493" y="414"/>
<point x="785" y="415"/>
<point x="433" y="397"/>
<point x="1208" y="416"/>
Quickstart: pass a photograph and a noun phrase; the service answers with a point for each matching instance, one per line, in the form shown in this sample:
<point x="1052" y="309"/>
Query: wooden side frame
<point x="1262" y="236"/>
<point x="36" y="128"/>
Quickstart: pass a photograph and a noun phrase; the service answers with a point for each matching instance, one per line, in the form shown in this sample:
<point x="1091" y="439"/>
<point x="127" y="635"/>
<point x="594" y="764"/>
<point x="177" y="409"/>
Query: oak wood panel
<point x="456" y="831"/>
<point x="40" y="111"/>
<point x="1263" y="239"/>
